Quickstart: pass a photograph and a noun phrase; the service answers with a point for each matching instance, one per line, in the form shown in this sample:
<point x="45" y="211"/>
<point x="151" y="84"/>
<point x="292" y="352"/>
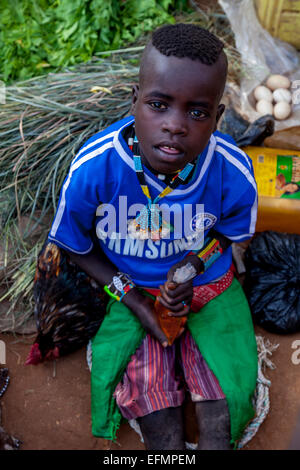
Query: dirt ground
<point x="48" y="406"/>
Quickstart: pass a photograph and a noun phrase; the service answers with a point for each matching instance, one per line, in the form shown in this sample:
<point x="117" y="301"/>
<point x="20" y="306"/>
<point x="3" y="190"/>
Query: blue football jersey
<point x="101" y="195"/>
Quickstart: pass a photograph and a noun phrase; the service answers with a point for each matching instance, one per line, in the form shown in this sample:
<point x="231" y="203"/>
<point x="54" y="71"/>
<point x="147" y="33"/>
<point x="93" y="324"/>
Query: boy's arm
<point x="172" y="297"/>
<point x="102" y="271"/>
<point x="224" y="241"/>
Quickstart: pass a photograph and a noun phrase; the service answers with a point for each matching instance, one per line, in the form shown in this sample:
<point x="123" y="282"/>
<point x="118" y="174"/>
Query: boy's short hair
<point x="188" y="40"/>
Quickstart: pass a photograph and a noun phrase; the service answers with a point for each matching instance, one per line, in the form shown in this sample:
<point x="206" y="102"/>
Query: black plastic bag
<point x="273" y="281"/>
<point x="245" y="133"/>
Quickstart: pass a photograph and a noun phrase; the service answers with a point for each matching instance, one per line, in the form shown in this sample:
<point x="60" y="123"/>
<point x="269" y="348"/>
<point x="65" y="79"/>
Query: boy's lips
<point x="170" y="148"/>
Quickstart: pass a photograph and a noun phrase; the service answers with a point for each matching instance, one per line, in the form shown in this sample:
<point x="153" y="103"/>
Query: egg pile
<point x="275" y="98"/>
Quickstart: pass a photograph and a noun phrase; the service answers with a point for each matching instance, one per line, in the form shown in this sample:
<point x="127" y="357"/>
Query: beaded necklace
<point x="149" y="223"/>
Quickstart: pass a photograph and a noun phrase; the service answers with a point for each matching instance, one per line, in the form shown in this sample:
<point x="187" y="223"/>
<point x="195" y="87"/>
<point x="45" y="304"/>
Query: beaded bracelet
<point x="120" y="285"/>
<point x="209" y="254"/>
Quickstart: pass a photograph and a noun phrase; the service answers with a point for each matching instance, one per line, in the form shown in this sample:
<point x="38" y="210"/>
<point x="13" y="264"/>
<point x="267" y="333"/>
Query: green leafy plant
<point x="38" y="36"/>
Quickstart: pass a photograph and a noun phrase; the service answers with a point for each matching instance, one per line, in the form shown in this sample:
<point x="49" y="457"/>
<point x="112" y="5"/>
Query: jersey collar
<point x="126" y="155"/>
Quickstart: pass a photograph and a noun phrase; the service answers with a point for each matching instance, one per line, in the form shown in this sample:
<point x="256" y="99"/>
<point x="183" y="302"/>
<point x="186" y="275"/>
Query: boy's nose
<point x="175" y="124"/>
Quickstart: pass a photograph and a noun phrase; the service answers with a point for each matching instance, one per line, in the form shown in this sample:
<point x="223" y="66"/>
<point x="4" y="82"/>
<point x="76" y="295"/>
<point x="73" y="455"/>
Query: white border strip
<point x="238" y="165"/>
<point x="251" y="180"/>
<point x="92" y="144"/>
<point x="253" y="215"/>
<point x="74" y="167"/>
<point x="71" y="249"/>
<point x="234" y="238"/>
<point x="235" y="148"/>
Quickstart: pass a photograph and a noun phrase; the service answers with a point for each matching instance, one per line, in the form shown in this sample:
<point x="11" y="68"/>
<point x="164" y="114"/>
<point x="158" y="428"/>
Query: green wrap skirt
<point x="223" y="331"/>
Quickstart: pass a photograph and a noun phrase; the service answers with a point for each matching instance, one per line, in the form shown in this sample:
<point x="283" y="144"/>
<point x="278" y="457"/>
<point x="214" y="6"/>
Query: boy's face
<point x="176" y="109"/>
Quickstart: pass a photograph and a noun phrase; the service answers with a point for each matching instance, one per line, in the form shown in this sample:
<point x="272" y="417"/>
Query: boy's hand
<point x="178" y="297"/>
<point x="143" y="308"/>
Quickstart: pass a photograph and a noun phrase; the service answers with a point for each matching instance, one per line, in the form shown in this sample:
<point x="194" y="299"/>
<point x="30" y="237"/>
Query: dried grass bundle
<point x="42" y="125"/>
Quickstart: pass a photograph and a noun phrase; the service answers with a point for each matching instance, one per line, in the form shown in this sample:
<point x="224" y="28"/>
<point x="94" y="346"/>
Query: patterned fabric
<point x="205" y="293"/>
<point x="153" y="381"/>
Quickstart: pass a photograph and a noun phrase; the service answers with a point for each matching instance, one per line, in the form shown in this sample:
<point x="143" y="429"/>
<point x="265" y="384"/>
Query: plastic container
<point x="281" y="18"/>
<point x="280" y="215"/>
<point x="277" y="173"/>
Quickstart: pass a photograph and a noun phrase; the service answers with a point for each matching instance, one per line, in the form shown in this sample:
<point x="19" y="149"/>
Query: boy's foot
<point x="163" y="429"/>
<point x="214" y="425"/>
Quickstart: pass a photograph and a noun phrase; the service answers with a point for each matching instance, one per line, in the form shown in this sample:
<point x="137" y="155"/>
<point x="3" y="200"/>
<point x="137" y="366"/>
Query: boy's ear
<point x="220" y="111"/>
<point x="135" y="93"/>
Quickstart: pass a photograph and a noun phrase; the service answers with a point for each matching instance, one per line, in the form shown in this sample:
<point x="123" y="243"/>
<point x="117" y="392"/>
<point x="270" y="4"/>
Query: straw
<point x="43" y="124"/>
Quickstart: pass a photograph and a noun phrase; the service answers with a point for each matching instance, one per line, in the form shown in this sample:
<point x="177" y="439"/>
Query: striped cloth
<point x="158" y="378"/>
<point x="154" y="381"/>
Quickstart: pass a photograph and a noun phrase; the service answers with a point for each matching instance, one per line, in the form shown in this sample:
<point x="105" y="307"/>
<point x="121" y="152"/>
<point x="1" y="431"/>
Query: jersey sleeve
<point x="75" y="215"/>
<point x="239" y="204"/>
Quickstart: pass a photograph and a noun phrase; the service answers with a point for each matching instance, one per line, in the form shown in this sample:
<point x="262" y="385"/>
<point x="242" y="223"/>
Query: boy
<point x="188" y="181"/>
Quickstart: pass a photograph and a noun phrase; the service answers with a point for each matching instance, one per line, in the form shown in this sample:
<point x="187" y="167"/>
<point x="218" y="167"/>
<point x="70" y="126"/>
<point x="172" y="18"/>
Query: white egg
<point x="278" y="81"/>
<point x="282" y="94"/>
<point x="282" y="110"/>
<point x="263" y="93"/>
<point x="264" y="107"/>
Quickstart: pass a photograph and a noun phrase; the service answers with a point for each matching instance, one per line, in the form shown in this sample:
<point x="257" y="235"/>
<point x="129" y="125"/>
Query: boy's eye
<point x="197" y="113"/>
<point x="157" y="105"/>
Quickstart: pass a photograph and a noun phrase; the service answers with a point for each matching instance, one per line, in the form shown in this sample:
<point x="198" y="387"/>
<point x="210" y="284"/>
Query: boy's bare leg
<point x="163" y="429"/>
<point x="214" y="425"/>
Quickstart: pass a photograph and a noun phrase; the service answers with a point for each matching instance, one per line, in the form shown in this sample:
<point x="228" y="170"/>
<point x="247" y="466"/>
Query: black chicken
<point x="69" y="306"/>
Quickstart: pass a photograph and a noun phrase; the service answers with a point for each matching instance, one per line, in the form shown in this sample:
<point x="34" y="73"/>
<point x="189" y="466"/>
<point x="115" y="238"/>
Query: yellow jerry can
<point x="277" y="174"/>
<point x="281" y="18"/>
